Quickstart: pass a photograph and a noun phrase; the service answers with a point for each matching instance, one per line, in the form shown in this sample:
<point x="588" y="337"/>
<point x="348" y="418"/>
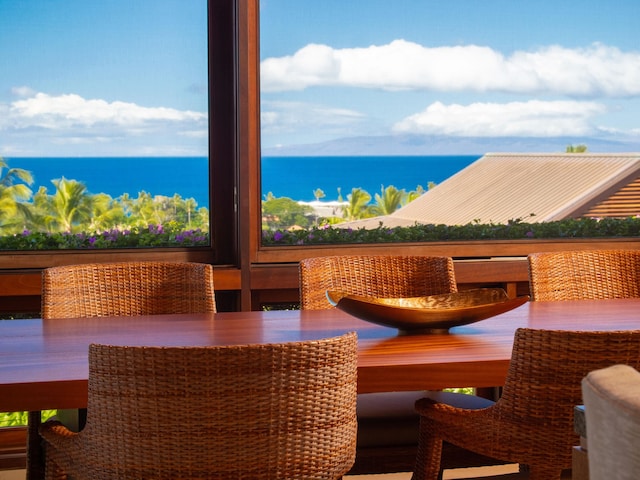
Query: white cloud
<point x="39" y="122"/>
<point x="532" y="118"/>
<point x="402" y="65"/>
<point x="65" y="111"/>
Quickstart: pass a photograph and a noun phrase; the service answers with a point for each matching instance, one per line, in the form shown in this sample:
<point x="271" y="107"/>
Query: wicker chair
<point x="387" y="422"/>
<point x="277" y="412"/>
<point x="584" y="274"/>
<point x="117" y="289"/>
<point x="127" y="288"/>
<point x="532" y="422"/>
<point x="374" y="275"/>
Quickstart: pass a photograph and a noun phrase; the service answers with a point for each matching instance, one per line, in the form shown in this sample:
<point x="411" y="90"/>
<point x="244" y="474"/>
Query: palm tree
<point x="201" y="219"/>
<point x="107" y="213"/>
<point x="576" y="148"/>
<point x="177" y="201"/>
<point x="389" y="200"/>
<point x="71" y="205"/>
<point x="8" y="178"/>
<point x="13" y="212"/>
<point x="162" y="209"/>
<point x="357" y="206"/>
<point x="413" y="194"/>
<point x="318" y="193"/>
<point x="41" y="218"/>
<point x="190" y="205"/>
<point x="142" y="210"/>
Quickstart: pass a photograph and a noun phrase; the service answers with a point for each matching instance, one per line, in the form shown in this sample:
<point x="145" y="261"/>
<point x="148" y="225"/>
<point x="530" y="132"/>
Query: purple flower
<point x="530" y="234"/>
<point x="157" y="229"/>
<point x="25" y="233"/>
<point x="277" y="236"/>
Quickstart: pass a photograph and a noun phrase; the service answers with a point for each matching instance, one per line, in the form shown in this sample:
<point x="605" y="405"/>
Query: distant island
<point x="447" y="145"/>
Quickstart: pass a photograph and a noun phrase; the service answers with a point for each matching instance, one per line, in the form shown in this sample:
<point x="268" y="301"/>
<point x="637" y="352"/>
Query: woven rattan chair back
<point x="118" y="289"/>
<point x="277" y="412"/>
<point x="532" y="422"/>
<point x="584" y="274"/>
<point x="127" y="288"/>
<point x="387" y="423"/>
<point x="374" y="275"/>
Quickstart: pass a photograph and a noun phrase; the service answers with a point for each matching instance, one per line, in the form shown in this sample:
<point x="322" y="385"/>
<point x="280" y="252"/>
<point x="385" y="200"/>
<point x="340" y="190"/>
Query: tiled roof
<point x="505" y="186"/>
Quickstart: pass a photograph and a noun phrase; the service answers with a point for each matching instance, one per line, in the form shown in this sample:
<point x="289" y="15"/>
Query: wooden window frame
<point x="222" y="168"/>
<point x="249" y="73"/>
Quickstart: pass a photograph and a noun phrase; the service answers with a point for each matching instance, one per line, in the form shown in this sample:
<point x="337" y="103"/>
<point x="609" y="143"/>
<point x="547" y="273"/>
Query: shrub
<point x="513" y="230"/>
<point x="151" y="236"/>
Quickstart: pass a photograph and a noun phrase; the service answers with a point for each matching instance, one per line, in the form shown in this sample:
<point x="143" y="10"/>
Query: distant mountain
<point x="445" y="145"/>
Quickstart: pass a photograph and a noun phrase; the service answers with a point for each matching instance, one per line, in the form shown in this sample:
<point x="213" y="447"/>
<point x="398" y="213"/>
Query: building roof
<point x="506" y="186"/>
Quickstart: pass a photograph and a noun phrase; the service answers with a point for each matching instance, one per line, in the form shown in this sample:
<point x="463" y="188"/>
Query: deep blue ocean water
<point x="186" y="176"/>
<point x="299" y="177"/>
<point x="293" y="177"/>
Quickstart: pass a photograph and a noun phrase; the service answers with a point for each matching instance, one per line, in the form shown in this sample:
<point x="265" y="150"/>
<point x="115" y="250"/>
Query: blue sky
<point x="118" y="77"/>
<point x="124" y="77"/>
<point x="460" y="68"/>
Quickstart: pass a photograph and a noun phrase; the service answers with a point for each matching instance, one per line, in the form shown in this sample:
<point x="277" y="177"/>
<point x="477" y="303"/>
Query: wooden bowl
<point x="430" y="314"/>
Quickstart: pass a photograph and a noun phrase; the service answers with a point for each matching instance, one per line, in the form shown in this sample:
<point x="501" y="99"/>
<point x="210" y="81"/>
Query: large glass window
<point x="104" y="124"/>
<point x="367" y="105"/>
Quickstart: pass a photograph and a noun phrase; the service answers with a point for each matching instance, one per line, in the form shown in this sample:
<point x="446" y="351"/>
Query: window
<point x="104" y="125"/>
<point x="359" y="97"/>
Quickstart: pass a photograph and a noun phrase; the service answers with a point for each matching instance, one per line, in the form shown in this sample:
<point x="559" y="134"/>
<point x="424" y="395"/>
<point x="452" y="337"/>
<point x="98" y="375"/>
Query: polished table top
<point x="43" y="363"/>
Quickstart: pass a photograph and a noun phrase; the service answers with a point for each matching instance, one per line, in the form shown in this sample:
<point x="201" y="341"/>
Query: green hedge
<point x="513" y="230"/>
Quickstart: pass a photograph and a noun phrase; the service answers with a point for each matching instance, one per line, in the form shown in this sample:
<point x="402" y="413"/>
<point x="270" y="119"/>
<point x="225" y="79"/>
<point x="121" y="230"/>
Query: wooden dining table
<point x="43" y="363"/>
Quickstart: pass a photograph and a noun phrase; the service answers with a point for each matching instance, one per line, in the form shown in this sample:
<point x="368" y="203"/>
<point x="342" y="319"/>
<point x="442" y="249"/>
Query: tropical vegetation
<point x="581" y="148"/>
<point x="72" y="217"/>
<point x="280" y="213"/>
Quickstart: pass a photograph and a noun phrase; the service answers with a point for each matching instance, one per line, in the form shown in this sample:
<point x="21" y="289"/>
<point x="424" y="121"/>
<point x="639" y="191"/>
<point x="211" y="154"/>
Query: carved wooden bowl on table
<point x="429" y="314"/>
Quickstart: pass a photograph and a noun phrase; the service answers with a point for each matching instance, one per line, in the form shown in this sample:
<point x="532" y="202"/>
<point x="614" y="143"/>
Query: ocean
<point x="299" y="177"/>
<point x="186" y="176"/>
<point x="293" y="177"/>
